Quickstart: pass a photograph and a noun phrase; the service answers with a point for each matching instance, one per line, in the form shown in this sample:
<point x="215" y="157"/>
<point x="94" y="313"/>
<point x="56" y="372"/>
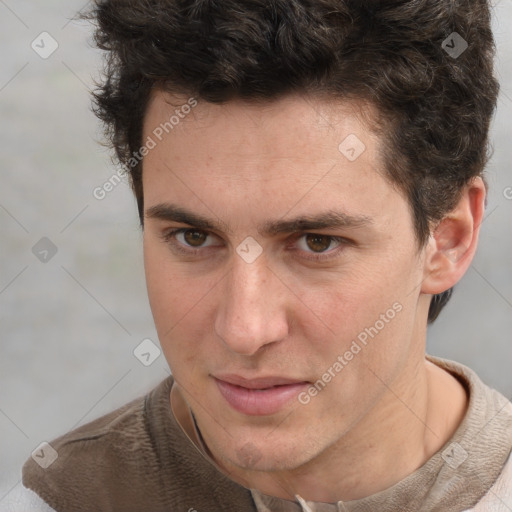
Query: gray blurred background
<point x="70" y="321"/>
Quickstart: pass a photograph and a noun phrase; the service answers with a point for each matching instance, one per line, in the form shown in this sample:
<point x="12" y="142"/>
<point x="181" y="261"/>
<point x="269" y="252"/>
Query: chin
<point x="268" y="457"/>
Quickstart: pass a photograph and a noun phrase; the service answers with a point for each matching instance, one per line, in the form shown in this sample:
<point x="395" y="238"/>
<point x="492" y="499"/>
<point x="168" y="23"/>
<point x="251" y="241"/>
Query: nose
<point x="252" y="309"/>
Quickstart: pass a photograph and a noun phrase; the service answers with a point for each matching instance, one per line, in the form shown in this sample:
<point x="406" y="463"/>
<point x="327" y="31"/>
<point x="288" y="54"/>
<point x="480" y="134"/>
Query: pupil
<point x="318" y="243"/>
<point x="195" y="238"/>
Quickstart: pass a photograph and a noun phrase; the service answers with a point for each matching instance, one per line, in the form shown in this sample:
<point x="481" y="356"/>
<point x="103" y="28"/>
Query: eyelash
<point x="169" y="237"/>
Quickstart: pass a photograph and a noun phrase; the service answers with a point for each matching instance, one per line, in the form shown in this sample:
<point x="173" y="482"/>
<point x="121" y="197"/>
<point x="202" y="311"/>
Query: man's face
<point x="293" y="253"/>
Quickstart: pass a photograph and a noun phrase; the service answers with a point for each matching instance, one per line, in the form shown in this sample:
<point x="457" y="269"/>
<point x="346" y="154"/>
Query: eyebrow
<point x="325" y="220"/>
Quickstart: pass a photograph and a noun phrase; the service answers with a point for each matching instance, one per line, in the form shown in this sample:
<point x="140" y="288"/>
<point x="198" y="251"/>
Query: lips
<point x="260" y="396"/>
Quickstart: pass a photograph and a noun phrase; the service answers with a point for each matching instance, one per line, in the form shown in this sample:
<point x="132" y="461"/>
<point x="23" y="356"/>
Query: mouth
<point x="258" y="397"/>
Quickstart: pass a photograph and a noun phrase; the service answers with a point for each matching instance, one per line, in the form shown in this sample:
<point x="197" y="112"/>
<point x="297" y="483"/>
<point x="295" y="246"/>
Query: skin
<point x="288" y="314"/>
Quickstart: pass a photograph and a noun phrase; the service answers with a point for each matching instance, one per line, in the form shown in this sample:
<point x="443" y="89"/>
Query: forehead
<point x="296" y="153"/>
<point x="301" y="116"/>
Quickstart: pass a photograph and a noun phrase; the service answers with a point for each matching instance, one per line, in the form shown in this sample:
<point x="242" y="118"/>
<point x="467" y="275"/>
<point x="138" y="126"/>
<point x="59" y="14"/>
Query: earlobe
<point x="453" y="242"/>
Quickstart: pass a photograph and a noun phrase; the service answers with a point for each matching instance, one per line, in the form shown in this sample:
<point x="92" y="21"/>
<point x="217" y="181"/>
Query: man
<point x="309" y="181"/>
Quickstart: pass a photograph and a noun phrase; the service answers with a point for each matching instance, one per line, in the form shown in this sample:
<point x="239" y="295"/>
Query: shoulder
<point x="499" y="497"/>
<point x="103" y="457"/>
<point x="134" y="458"/>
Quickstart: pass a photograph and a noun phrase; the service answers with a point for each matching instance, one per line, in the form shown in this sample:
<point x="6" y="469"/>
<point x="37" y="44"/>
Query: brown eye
<point x="195" y="238"/>
<point x="191" y="241"/>
<point x="318" y="243"/>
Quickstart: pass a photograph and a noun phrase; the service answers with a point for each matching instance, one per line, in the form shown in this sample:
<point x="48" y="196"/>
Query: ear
<point x="453" y="242"/>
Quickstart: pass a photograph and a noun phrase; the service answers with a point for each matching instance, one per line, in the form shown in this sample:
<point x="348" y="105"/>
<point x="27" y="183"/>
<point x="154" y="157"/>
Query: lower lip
<point x="259" y="402"/>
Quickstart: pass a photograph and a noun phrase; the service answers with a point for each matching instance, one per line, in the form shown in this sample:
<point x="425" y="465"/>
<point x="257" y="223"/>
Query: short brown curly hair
<point x="436" y="106"/>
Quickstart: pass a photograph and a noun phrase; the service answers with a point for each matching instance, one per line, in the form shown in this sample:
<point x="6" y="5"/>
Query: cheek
<point x="368" y="341"/>
<point x="183" y="303"/>
<point x="161" y="286"/>
<point x="346" y="302"/>
<point x="372" y="304"/>
<point x="176" y="298"/>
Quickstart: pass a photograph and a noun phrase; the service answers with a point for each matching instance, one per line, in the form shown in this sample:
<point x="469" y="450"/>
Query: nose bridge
<point x="251" y="312"/>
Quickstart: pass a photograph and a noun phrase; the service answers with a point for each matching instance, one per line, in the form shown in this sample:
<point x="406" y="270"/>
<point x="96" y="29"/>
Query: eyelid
<point x="326" y="256"/>
<point x="183" y="230"/>
<point x="169" y="237"/>
<point x="332" y="238"/>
